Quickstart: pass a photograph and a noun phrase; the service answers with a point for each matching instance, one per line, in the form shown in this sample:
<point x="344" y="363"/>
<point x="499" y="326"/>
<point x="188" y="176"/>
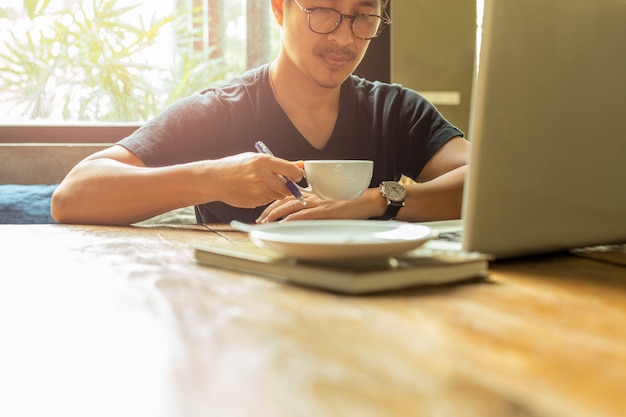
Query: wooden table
<point x="106" y="321"/>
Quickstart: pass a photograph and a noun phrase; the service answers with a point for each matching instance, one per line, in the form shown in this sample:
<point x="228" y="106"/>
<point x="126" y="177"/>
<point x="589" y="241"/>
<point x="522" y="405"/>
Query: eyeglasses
<point x="323" y="20"/>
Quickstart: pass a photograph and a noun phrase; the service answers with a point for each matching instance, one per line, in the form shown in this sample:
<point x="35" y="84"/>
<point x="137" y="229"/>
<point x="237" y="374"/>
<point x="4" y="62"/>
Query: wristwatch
<point x="395" y="195"/>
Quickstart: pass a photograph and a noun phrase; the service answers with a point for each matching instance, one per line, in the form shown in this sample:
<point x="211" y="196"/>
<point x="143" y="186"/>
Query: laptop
<point x="548" y="129"/>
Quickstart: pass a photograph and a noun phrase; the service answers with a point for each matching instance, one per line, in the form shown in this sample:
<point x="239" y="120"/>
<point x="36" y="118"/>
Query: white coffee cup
<point x="343" y="179"/>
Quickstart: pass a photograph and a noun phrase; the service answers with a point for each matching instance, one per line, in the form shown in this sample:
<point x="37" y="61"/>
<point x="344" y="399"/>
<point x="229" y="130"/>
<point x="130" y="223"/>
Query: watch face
<point x="394" y="191"/>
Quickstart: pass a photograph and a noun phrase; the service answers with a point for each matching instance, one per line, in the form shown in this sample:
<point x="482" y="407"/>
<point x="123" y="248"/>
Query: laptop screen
<point x="548" y="128"/>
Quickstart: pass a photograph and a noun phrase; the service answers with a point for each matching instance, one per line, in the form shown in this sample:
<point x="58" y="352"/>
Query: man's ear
<point x="277" y="9"/>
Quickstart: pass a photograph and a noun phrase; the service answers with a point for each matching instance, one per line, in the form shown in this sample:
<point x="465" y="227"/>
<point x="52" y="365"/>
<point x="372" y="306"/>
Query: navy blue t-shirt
<point x="393" y="126"/>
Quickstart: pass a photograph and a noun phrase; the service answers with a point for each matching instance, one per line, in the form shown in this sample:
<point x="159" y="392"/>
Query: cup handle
<point x="306" y="189"/>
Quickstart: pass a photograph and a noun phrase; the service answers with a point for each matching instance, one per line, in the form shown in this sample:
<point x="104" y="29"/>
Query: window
<point x="64" y="61"/>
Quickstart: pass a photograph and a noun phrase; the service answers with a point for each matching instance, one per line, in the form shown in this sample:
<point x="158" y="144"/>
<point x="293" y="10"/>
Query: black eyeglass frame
<point x="384" y="20"/>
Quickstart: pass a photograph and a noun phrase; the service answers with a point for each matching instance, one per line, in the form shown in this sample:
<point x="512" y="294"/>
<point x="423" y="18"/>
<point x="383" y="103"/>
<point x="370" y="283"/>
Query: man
<point x="304" y="105"/>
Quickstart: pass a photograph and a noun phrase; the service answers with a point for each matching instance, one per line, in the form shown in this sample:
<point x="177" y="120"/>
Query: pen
<point x="262" y="148"/>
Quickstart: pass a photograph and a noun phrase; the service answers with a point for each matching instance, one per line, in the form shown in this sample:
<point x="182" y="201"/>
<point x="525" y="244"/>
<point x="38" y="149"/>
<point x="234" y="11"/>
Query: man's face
<point x="326" y="58"/>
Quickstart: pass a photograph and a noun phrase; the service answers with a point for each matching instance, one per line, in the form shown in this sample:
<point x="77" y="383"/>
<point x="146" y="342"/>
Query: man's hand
<point x="251" y="179"/>
<point x="364" y="207"/>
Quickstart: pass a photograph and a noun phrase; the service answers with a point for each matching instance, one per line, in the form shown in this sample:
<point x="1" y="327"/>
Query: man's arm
<point x="114" y="186"/>
<point x="438" y="195"/>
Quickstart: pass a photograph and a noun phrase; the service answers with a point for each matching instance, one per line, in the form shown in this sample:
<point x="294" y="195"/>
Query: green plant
<point x="82" y="58"/>
<point x="85" y="60"/>
<point x="92" y="60"/>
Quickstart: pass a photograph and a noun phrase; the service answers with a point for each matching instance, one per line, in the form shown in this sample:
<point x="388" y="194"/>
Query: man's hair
<point x="384" y="4"/>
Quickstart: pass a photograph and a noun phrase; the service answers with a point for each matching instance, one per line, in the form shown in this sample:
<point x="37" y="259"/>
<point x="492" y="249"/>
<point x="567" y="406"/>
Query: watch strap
<point x="393" y="208"/>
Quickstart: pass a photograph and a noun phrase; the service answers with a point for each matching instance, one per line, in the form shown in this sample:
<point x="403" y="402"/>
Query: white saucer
<point x="320" y="240"/>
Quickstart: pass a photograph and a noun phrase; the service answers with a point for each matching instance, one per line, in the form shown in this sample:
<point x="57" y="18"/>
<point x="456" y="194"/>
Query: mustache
<point x="340" y="52"/>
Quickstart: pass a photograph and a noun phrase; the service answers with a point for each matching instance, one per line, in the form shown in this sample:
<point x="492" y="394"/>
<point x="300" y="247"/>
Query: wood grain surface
<point x="120" y="321"/>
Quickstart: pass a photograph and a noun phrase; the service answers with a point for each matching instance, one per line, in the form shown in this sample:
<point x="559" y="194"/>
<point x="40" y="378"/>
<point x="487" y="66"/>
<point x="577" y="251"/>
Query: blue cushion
<point x="26" y="204"/>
